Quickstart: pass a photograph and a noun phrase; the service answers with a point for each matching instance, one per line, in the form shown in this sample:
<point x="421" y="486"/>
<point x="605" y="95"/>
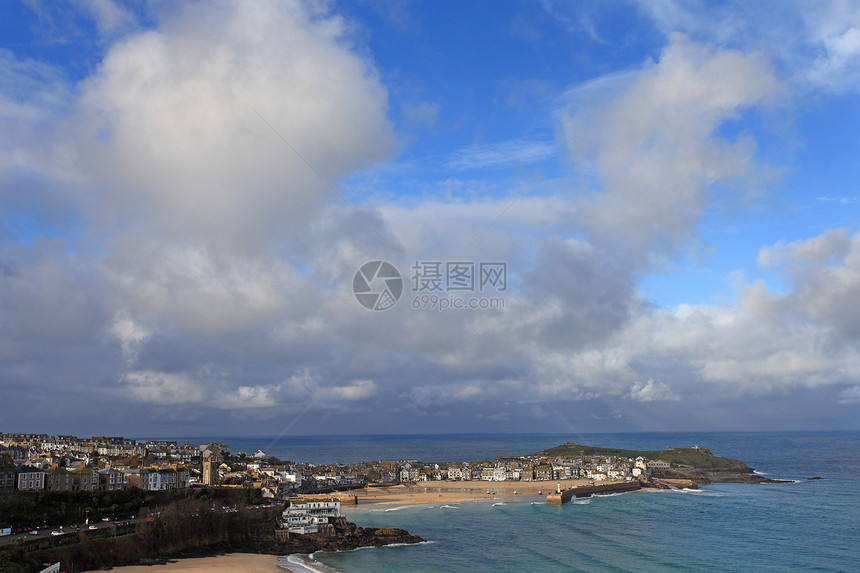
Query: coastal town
<point x="33" y="462"/>
<point x="62" y="494"/>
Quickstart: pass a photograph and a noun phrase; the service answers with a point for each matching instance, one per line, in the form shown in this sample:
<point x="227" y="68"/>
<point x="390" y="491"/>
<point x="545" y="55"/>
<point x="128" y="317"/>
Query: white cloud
<point x="33" y="96"/>
<point x="654" y="145"/>
<point x="817" y="48"/>
<point x="164" y="388"/>
<point x="434" y="396"/>
<point x="300" y="383"/>
<point x="826" y="248"/>
<point x="834" y="29"/>
<point x="245" y="397"/>
<point x="130" y="335"/>
<point x="214" y="270"/>
<point x="110" y="17"/>
<point x="650" y="391"/>
<point x="850" y="395"/>
<point x="206" y="291"/>
<point x="357" y="390"/>
<point x="173" y="131"/>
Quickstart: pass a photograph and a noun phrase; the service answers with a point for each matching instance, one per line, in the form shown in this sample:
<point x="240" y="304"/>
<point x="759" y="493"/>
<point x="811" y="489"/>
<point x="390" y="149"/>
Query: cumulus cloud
<point x="357" y="390"/>
<point x="109" y="16"/>
<point x="211" y="269"/>
<point x="650" y="391"/>
<point x="835" y="29"/>
<point x="250" y="397"/>
<point x="826" y="276"/>
<point x="768" y="340"/>
<point x="824" y="249"/>
<point x="817" y="48"/>
<point x="164" y="388"/>
<point x="198" y="223"/>
<point x="182" y="129"/>
<point x="130" y="335"/>
<point x="654" y="147"/>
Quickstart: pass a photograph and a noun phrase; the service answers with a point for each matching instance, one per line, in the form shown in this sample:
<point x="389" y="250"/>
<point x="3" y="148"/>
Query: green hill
<point x="697" y="458"/>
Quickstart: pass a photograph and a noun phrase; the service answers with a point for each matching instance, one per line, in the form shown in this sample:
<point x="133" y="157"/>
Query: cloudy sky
<point x="187" y="190"/>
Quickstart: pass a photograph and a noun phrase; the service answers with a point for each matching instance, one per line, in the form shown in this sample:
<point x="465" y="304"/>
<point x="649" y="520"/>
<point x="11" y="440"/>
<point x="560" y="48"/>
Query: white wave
<point x="448" y="507"/>
<point x="538" y="503"/>
<point x="701" y="492"/>
<point x="585" y="501"/>
<point x="758" y="473"/>
<point x="398" y="508"/>
<point x="403" y="544"/>
<point x="373" y="547"/>
<point x="499" y="503"/>
<point x="301" y="563"/>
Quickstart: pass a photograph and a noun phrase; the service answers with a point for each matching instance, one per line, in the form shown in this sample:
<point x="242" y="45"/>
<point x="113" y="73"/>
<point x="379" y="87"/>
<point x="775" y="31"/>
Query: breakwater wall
<point x="590" y="489"/>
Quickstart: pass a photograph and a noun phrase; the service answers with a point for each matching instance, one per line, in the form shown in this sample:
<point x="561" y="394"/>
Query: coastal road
<point x="74" y="528"/>
<point x="66" y="530"/>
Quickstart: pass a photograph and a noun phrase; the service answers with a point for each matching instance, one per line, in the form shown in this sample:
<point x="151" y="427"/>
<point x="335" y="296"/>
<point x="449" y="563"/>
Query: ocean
<point x="805" y="525"/>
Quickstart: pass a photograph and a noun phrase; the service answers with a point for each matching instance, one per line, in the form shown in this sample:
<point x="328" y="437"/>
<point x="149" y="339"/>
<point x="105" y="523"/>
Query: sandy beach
<point x="455" y="491"/>
<point x="245" y="562"/>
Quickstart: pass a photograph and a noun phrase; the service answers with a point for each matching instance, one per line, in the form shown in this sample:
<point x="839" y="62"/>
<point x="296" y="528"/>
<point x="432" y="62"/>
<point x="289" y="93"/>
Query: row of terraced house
<point x="28" y="478"/>
<point x="22" y="445"/>
<point x="536" y="469"/>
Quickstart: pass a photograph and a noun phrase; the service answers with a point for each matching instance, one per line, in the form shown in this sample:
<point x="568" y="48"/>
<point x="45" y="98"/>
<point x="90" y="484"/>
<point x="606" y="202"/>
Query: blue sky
<point x="187" y="190"/>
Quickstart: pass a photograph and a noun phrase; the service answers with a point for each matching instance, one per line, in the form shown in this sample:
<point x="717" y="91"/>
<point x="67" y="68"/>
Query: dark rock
<point x="346" y="536"/>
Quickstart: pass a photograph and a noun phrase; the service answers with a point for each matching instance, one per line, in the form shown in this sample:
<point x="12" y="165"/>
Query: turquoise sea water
<point x="798" y="526"/>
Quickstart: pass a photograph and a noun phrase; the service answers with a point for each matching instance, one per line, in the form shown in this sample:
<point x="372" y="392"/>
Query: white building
<point x="291" y="477"/>
<point x="617" y="473"/>
<point x="455" y="473"/>
<point x="309" y="516"/>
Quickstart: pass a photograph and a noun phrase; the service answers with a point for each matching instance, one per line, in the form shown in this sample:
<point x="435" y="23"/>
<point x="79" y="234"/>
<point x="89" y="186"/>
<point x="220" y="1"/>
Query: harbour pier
<point x="564" y="496"/>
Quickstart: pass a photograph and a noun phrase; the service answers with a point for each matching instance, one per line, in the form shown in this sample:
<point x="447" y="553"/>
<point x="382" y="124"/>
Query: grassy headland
<point x="695" y="458"/>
